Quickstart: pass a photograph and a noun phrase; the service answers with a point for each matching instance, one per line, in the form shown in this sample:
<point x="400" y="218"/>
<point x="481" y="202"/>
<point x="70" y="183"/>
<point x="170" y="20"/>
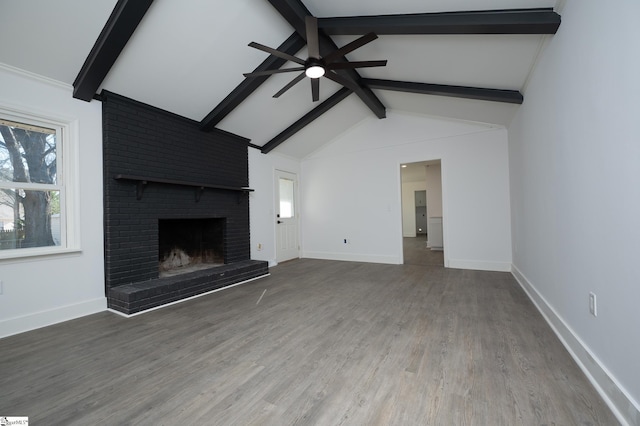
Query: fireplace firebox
<point x="187" y="245"/>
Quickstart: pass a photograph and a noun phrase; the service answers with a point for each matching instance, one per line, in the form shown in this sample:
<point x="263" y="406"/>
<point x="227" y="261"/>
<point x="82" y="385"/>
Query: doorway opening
<point x="420" y="198"/>
<point x="422" y="234"/>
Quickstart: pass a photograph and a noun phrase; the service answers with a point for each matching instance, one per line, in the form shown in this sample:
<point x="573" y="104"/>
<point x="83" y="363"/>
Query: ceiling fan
<point x="317" y="66"/>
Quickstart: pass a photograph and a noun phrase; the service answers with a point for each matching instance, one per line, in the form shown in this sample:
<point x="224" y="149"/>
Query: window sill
<point x="36" y="253"/>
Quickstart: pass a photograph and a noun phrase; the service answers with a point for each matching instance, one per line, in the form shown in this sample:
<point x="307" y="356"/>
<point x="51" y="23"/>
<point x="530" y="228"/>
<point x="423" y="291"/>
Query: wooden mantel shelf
<point x="199" y="187"/>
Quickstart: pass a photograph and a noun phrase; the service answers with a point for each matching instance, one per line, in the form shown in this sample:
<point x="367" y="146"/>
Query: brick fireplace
<point x="169" y="185"/>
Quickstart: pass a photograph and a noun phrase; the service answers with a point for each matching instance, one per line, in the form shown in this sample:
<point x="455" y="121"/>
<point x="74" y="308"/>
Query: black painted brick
<point x="136" y="297"/>
<point x="142" y="140"/>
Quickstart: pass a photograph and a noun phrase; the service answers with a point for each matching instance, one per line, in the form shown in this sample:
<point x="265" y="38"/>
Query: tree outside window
<point x="30" y="191"/>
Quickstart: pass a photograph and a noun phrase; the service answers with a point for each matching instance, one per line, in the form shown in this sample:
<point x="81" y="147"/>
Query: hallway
<point x="416" y="252"/>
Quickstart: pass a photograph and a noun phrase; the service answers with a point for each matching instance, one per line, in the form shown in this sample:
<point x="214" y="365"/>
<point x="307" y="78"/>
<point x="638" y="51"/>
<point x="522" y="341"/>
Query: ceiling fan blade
<point x="313" y="46"/>
<point x="290" y="85"/>
<point x="269" y="72"/>
<point x="350" y="47"/>
<point x="315" y="89"/>
<point x="356" y="64"/>
<point x="341" y="80"/>
<point x="275" y="52"/>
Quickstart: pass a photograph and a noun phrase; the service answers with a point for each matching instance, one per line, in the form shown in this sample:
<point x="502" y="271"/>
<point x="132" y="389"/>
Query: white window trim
<point x="67" y="181"/>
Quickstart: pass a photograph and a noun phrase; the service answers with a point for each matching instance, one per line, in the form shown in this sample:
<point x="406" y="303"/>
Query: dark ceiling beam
<point x="308" y="118"/>
<point x="512" y="21"/>
<point x="291" y="46"/>
<point x="295" y="12"/>
<point x="120" y="26"/>
<point x="494" y="95"/>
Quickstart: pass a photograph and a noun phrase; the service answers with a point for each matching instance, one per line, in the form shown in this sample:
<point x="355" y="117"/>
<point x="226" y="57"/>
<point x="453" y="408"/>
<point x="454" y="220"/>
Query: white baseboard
<point x="30" y="322"/>
<point x="626" y="410"/>
<point x="352" y="257"/>
<point x="479" y="265"/>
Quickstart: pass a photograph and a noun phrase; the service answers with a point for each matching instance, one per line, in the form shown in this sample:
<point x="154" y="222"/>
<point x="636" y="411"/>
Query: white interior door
<point x="286" y="216"/>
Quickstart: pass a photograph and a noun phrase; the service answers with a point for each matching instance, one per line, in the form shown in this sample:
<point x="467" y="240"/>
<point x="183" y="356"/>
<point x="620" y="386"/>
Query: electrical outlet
<point x="593" y="306"/>
<point x="259" y="246"/>
<point x="345" y="241"/>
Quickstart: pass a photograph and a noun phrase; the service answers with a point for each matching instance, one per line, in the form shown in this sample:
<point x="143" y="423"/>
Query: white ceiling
<point x="186" y="56"/>
<point x="416" y="172"/>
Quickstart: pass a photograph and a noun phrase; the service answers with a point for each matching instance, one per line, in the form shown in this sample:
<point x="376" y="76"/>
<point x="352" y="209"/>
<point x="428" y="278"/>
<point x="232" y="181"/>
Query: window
<point x="33" y="195"/>
<point x="286" y="198"/>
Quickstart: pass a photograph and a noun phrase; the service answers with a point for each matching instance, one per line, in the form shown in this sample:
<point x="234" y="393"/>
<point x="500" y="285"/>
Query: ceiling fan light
<point x="314" y="71"/>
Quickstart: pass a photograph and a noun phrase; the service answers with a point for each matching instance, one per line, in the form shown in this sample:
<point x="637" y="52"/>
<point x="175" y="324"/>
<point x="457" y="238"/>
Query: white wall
<point x="575" y="190"/>
<point x="262" y="201"/>
<point x="48" y="289"/>
<point x="351" y="189"/>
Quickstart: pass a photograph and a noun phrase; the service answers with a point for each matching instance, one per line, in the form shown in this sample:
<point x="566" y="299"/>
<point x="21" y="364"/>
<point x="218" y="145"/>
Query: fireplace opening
<point x="188" y="245"/>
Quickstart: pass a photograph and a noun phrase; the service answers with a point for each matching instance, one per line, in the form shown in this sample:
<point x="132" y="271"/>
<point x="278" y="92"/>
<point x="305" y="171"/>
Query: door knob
<point x="279" y="221"/>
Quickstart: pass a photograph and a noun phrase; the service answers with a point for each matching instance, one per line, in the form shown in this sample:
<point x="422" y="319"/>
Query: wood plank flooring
<point x="416" y="252"/>
<point x="330" y="343"/>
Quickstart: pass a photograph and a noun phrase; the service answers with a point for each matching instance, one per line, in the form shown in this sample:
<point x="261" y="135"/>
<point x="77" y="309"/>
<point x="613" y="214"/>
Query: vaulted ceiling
<point x="188" y="57"/>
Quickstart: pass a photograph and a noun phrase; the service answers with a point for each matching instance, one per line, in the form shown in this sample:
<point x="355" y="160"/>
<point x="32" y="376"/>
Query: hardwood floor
<point x="329" y="343"/>
<point x="415" y="252"/>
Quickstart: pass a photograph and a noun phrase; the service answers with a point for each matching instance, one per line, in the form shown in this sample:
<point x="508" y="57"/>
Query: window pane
<point x="286" y="198"/>
<point x="29" y="219"/>
<point x="27" y="153"/>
